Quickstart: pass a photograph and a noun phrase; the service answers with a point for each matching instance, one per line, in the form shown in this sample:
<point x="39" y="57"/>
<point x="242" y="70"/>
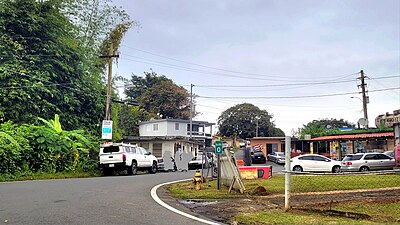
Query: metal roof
<point x="355" y="136"/>
<point x="177" y="120"/>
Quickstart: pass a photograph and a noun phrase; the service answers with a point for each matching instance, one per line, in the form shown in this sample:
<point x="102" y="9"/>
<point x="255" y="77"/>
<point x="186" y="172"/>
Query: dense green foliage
<point x="322" y="127"/>
<point x="245" y="119"/>
<point x="42" y="68"/>
<point x="36" y="148"/>
<point x="159" y="95"/>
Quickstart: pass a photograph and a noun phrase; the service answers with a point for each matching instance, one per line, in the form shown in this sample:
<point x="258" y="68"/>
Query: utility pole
<point x="257" y="127"/>
<point x="191" y="110"/>
<point x="364" y="96"/>
<point x="110" y="57"/>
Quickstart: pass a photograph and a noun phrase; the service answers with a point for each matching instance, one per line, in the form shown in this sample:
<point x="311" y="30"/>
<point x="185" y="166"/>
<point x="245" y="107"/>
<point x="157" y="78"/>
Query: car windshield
<point x="352" y="157"/>
<point x="280" y="153"/>
<point x="258" y="153"/>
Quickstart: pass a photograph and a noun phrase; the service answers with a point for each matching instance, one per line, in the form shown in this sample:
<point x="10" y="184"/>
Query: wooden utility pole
<point x="110" y="57"/>
<point x="191" y="110"/>
<point x="364" y="96"/>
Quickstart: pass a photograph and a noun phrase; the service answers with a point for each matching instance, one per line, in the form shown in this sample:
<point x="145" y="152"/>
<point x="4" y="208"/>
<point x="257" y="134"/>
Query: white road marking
<point x="159" y="201"/>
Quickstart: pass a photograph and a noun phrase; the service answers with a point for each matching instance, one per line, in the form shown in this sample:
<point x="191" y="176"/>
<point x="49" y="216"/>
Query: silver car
<point x="367" y="161"/>
<point x="277" y="157"/>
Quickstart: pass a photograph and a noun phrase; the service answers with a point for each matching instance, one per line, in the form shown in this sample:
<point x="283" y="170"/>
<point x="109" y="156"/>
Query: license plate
<point x="111" y="165"/>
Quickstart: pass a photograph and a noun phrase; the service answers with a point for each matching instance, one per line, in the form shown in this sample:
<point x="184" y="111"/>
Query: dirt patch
<point x="224" y="210"/>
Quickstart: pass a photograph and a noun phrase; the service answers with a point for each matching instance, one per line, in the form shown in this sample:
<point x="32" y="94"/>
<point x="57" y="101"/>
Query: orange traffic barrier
<point x="240" y="162"/>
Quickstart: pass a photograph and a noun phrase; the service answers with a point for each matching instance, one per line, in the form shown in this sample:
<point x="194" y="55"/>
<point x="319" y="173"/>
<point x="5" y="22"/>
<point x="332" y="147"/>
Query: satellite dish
<point x="363" y="122"/>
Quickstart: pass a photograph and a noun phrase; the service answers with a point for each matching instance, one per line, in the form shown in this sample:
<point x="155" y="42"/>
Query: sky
<point x="299" y="60"/>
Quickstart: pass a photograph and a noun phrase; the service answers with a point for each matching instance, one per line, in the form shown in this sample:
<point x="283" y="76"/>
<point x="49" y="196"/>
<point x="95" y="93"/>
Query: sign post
<point x="106" y="130"/>
<point x="218" y="151"/>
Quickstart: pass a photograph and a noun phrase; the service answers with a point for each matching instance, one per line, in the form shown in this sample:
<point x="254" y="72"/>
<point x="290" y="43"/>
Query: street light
<point x="364" y="109"/>
<point x="257" y="118"/>
<point x="357" y="98"/>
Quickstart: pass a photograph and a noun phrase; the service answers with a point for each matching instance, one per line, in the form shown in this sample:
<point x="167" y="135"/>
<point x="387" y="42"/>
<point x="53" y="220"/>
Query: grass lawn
<point x="277" y="216"/>
<point x="379" y="212"/>
<point x="276" y="185"/>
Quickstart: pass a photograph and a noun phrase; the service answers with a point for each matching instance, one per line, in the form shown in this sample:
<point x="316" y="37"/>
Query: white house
<point x="162" y="135"/>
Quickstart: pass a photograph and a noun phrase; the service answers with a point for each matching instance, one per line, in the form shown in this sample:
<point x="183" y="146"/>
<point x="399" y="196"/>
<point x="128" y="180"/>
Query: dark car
<point x="258" y="157"/>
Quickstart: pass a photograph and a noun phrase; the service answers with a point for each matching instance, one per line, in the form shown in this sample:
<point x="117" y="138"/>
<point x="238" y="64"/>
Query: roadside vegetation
<point x="45" y="151"/>
<point x="276" y="185"/>
<point x="365" y="211"/>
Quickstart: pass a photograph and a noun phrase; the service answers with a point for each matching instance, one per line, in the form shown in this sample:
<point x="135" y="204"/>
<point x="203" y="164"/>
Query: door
<point x="322" y="163"/>
<point x="144" y="155"/>
<point x="269" y="149"/>
<point x="386" y="163"/>
<point x="372" y="161"/>
<point x="307" y="163"/>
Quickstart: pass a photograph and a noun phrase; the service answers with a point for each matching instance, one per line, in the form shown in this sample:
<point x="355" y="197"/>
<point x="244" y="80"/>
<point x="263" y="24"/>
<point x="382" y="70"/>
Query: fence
<point x="304" y="189"/>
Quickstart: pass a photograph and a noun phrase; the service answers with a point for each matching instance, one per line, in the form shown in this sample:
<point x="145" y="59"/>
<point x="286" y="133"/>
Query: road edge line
<point x="159" y="201"/>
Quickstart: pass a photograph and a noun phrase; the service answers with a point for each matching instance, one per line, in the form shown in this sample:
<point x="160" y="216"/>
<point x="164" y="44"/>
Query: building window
<point x="176" y="126"/>
<point x="157" y="149"/>
<point x="155" y="127"/>
<point x="145" y="145"/>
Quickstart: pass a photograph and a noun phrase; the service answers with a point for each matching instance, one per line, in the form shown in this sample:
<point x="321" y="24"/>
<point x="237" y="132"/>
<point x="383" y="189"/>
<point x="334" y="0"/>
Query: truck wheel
<point x="133" y="168"/>
<point x="153" y="168"/>
<point x="107" y="172"/>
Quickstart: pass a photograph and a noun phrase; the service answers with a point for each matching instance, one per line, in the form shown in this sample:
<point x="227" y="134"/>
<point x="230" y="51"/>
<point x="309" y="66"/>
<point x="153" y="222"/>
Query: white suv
<point x="122" y="156"/>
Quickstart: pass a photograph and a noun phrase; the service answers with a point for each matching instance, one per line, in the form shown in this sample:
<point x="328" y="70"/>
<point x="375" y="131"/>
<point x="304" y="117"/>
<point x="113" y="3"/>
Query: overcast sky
<point x="260" y="52"/>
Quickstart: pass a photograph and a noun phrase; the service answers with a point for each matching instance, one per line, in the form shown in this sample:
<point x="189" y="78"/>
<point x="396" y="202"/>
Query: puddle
<point x="198" y="202"/>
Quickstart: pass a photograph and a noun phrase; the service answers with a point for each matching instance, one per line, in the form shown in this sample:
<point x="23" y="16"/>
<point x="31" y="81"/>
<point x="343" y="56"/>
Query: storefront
<point x="337" y="146"/>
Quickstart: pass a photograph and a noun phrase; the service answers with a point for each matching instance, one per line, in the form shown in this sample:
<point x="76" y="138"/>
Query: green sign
<point x="218" y="147"/>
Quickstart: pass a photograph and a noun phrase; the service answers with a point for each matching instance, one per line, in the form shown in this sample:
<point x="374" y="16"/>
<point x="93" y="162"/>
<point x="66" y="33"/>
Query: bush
<point x="30" y="148"/>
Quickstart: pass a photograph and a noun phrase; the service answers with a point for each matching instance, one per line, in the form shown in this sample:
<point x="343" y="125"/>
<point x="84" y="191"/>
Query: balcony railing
<point x="199" y="134"/>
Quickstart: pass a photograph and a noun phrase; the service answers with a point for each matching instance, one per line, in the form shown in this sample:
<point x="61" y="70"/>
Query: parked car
<point x="122" y="156"/>
<point x="277" y="157"/>
<point x="199" y="160"/>
<point x="367" y="161"/>
<point x="258" y="157"/>
<point x="389" y="153"/>
<point x="314" y="163"/>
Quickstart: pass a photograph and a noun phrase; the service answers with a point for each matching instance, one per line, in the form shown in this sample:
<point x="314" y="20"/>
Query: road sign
<point x="106" y="130"/>
<point x="218" y="147"/>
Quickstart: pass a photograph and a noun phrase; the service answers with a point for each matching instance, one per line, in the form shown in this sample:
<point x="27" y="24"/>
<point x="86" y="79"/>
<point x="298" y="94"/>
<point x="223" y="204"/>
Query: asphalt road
<point x="276" y="168"/>
<point x="100" y="200"/>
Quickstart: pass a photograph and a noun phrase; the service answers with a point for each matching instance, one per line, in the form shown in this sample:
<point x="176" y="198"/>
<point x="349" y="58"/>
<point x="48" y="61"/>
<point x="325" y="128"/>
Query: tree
<point x="41" y="70"/>
<point x="322" y="127"/>
<point x="129" y="118"/>
<point x="159" y="95"/>
<point x="95" y="20"/>
<point x="138" y="85"/>
<point x="243" y="119"/>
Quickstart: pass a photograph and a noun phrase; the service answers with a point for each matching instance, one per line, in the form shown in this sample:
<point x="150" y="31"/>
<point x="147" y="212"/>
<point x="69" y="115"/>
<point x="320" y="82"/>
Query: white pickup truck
<point x="122" y="156"/>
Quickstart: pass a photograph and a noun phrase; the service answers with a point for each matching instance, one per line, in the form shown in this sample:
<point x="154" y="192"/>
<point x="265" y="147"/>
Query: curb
<point x="163" y="204"/>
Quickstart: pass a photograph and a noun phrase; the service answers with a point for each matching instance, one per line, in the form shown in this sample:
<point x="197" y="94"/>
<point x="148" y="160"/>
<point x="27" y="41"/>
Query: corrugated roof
<point x="354" y="136"/>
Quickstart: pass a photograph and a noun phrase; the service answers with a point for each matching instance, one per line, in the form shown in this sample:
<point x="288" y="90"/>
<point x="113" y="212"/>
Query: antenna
<point x="363" y="122"/>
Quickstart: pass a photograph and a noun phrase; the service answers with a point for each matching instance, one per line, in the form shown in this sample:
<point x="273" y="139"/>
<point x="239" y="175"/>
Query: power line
<point x="219" y="69"/>
<point x="292" y="97"/>
<point x="188" y="69"/>
<point x="291" y="84"/>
